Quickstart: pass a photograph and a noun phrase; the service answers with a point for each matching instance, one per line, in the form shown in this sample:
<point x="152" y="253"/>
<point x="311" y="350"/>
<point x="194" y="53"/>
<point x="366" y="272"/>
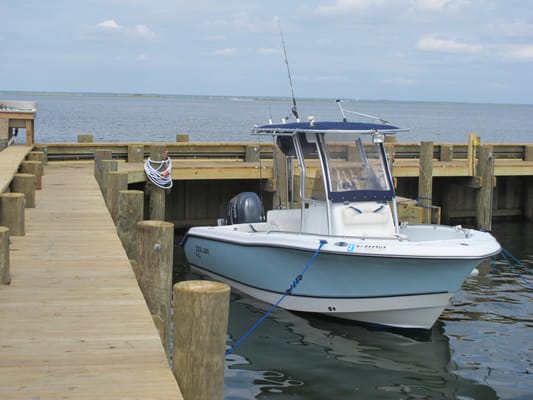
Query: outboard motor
<point x="246" y="207"/>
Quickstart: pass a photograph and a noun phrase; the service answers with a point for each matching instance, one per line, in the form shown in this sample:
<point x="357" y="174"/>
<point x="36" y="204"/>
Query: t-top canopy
<point x="324" y="126"/>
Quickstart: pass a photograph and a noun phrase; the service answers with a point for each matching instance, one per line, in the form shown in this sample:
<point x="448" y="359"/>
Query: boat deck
<point x="73" y="321"/>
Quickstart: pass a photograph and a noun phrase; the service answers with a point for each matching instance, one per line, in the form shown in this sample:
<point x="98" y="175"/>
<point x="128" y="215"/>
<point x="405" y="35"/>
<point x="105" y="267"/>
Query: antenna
<point x="343" y="111"/>
<point x="294" y="109"/>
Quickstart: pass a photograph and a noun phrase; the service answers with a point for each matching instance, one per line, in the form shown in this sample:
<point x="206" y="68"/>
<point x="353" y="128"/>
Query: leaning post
<point x="201" y="311"/>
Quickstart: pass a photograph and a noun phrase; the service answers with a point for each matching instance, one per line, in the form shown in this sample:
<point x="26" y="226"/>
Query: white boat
<point x="342" y="251"/>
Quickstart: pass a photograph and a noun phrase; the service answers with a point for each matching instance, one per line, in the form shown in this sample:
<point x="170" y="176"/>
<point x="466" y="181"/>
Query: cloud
<point x="109" y="24"/>
<point x="143" y="30"/>
<point x="228" y="51"/>
<point x="438" y="6"/>
<point x="520" y="53"/>
<point x="140" y="30"/>
<point x="341" y="7"/>
<point x="433" y="43"/>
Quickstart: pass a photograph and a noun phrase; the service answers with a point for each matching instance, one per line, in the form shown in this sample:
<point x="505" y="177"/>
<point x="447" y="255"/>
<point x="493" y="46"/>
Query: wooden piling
<point x="35" y="168"/>
<point x="45" y="155"/>
<point x="253" y="153"/>
<point x="471" y="153"/>
<point x="107" y="167"/>
<point x="280" y="197"/>
<point x="155" y="252"/>
<point x="528" y="152"/>
<point x="12" y="213"/>
<point x="135" y="153"/>
<point x="528" y="201"/>
<point x="85" y="138"/>
<point x="5" y="276"/>
<point x="425" y="180"/>
<point x="129" y="212"/>
<point x="37" y="156"/>
<point x="484" y="195"/>
<point x="446" y="152"/>
<point x="99" y="156"/>
<point x="156" y="206"/>
<point x="116" y="181"/>
<point x="201" y="311"/>
<point x="25" y="183"/>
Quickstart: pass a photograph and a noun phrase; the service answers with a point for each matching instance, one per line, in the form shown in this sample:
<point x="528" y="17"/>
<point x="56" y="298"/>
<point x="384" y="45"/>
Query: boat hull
<point x="368" y="286"/>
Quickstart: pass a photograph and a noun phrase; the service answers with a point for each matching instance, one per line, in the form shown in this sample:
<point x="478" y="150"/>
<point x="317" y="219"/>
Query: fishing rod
<point x="294" y="108"/>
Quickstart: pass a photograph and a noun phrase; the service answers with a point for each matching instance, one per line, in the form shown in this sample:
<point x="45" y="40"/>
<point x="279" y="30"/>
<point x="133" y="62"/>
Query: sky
<point x="414" y="50"/>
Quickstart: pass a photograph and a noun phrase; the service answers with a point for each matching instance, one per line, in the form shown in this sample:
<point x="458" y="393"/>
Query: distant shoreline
<point x="232" y="97"/>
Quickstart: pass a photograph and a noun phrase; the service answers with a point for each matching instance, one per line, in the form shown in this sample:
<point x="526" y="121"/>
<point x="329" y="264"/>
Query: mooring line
<point x="512" y="261"/>
<point x="293" y="286"/>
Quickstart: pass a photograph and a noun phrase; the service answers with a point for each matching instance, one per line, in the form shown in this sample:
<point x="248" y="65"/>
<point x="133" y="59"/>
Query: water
<point x="142" y="118"/>
<point x="481" y="347"/>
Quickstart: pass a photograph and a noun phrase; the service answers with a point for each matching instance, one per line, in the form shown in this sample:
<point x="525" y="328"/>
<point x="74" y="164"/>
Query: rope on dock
<point x="293" y="286"/>
<point x="159" y="172"/>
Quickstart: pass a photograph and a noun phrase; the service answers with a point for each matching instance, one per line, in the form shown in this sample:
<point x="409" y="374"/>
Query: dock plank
<point x="73" y="321"/>
<point x="10" y="159"/>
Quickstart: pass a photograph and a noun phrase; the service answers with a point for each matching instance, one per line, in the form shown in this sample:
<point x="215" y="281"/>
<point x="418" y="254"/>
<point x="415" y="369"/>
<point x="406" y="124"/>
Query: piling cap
<point x="200" y="286"/>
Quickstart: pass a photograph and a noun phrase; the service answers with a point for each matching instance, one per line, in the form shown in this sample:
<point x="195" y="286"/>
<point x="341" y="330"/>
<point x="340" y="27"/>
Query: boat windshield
<point x="356" y="171"/>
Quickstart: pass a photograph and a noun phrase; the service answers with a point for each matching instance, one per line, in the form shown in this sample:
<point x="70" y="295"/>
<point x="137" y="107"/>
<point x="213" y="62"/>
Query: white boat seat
<point x="284" y="220"/>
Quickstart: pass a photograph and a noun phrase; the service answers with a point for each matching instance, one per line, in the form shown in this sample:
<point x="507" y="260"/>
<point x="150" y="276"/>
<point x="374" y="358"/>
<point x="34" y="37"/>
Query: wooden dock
<point x="470" y="183"/>
<point x="9" y="164"/>
<point x="73" y="321"/>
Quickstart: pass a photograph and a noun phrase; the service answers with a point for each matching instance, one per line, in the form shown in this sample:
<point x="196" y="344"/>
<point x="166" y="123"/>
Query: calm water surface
<point x="482" y="346"/>
<point x="136" y="118"/>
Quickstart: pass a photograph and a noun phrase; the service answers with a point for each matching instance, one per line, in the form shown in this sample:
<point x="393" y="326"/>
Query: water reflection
<point x="318" y="358"/>
<point x="489" y="323"/>
<point x="480" y="348"/>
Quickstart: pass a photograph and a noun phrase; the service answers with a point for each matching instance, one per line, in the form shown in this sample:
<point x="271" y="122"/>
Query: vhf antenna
<point x="294" y="109"/>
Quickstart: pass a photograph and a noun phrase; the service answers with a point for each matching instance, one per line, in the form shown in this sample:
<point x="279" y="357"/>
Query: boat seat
<point x="283" y="220"/>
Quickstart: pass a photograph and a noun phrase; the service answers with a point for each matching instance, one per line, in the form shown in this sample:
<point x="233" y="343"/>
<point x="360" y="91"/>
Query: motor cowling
<point x="246" y="207"/>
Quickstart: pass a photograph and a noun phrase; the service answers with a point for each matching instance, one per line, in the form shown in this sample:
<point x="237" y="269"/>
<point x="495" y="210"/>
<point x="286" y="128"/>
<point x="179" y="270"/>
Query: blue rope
<point x="512" y="261"/>
<point x="293" y="285"/>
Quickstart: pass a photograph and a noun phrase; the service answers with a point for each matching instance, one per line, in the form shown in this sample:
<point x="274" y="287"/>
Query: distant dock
<point x="470" y="182"/>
